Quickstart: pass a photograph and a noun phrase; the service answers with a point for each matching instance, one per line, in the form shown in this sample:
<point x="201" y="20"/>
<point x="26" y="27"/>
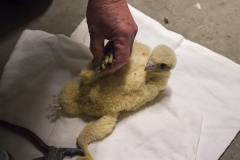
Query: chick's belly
<point x="113" y="103"/>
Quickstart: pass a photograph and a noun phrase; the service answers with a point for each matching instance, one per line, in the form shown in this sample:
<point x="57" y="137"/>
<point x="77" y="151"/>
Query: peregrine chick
<point x="106" y="95"/>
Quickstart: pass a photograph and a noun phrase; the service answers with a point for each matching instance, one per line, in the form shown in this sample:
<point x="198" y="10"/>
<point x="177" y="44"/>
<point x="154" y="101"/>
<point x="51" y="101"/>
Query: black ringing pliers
<point x="50" y="152"/>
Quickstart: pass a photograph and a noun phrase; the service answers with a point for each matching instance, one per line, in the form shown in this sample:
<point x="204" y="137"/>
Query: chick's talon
<point x="103" y="66"/>
<point x="106" y="60"/>
<point x="110" y="58"/>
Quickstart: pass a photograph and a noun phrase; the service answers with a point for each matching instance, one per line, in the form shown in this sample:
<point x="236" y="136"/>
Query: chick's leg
<point x="95" y="131"/>
<point x="88" y="74"/>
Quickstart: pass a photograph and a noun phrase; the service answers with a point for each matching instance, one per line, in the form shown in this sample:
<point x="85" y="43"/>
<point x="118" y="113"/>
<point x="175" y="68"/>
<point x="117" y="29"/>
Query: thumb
<point x="97" y="49"/>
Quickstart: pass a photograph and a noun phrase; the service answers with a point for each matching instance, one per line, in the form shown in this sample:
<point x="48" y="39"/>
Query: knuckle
<point x="129" y="30"/>
<point x="126" y="31"/>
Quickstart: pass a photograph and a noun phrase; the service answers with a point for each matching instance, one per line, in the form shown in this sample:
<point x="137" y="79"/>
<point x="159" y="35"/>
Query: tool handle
<point x="26" y="132"/>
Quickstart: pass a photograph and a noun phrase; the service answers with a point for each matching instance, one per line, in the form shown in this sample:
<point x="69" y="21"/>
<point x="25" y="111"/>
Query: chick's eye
<point x="162" y="65"/>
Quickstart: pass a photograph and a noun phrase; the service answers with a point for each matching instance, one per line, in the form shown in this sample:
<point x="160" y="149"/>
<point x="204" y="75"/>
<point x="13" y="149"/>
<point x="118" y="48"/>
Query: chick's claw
<point x="103" y="66"/>
<point x="110" y="58"/>
<point x="107" y="61"/>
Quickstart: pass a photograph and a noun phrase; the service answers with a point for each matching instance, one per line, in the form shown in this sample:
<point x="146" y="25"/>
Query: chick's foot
<point x="107" y="61"/>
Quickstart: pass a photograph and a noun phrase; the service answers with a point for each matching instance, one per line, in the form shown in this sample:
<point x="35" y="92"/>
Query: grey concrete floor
<point x="216" y="25"/>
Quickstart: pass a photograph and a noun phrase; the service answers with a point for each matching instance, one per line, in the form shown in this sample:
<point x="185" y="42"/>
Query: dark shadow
<point x="16" y="13"/>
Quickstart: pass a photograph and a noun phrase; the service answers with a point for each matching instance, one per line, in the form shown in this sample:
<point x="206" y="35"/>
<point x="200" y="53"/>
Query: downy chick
<point x="127" y="89"/>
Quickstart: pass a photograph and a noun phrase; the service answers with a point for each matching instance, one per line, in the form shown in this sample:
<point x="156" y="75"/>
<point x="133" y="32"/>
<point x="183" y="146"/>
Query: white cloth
<point x="203" y="83"/>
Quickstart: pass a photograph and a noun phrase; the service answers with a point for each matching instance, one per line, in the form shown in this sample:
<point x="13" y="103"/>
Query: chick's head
<point x="162" y="59"/>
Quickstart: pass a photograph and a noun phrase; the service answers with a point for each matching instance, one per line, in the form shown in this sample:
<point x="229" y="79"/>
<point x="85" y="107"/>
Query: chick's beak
<point x="158" y="67"/>
<point x="150" y="66"/>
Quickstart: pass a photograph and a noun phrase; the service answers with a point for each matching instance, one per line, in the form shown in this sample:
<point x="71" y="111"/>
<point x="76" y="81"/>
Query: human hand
<point x="111" y="20"/>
